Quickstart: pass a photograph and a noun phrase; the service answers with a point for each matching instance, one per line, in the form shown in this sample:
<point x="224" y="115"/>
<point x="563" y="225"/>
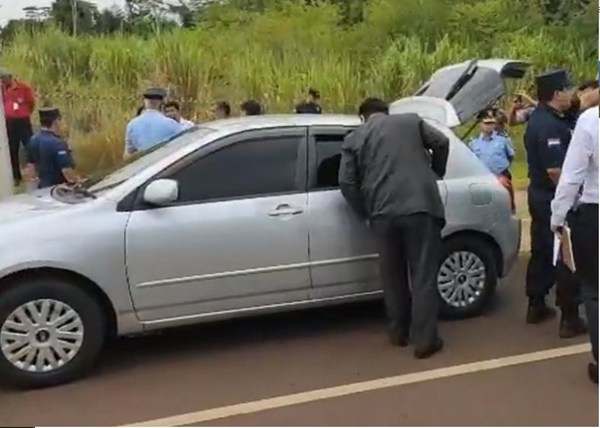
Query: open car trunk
<point x="456" y="93"/>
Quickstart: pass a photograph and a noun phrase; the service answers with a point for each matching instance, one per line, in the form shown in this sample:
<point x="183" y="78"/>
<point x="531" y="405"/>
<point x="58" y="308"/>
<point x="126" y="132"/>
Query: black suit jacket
<point x="390" y="167"/>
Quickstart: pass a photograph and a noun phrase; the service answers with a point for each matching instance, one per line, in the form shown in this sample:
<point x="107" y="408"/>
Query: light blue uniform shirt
<point x="148" y="129"/>
<point x="495" y="151"/>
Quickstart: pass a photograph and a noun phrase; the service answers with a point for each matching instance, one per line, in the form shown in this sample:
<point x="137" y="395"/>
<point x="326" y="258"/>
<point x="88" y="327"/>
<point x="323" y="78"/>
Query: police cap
<point x="555" y="80"/>
<point x="155" y="94"/>
<point x="49" y="114"/>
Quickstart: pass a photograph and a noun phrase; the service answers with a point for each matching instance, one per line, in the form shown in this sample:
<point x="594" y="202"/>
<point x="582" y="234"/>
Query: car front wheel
<point x="467" y="277"/>
<point x="51" y="332"/>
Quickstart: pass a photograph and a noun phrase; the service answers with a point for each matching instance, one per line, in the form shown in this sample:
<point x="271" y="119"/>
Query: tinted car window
<point x="328" y="160"/>
<point x="245" y="169"/>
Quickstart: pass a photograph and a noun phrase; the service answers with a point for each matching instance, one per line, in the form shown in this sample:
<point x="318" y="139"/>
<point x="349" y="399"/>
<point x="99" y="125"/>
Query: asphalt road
<point x="222" y="365"/>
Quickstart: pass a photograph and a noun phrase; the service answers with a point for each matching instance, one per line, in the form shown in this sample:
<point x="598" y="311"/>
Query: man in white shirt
<point x="580" y="169"/>
<point x="172" y="109"/>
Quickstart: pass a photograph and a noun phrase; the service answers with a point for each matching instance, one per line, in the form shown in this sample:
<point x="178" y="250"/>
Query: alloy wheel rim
<point x="41" y="336"/>
<point x="461" y="279"/>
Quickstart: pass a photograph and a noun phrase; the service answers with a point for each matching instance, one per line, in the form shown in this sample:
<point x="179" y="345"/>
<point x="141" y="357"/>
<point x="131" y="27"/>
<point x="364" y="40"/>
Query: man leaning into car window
<point x="386" y="176"/>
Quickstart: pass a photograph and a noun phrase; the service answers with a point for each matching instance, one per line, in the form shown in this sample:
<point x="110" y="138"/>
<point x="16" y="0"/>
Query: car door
<point x="343" y="257"/>
<point x="236" y="239"/>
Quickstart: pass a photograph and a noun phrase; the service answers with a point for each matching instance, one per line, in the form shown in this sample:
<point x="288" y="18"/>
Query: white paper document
<point x="556" y="249"/>
<point x="563" y="247"/>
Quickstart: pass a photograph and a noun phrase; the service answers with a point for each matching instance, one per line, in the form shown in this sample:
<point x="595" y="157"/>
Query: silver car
<point x="233" y="218"/>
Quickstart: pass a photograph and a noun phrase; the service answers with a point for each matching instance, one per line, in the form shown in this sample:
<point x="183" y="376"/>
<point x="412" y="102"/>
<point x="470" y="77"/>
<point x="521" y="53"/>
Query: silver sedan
<point x="233" y="218"/>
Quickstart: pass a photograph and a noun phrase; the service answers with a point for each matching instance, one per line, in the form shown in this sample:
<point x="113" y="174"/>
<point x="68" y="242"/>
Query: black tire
<point x="88" y="310"/>
<point x="485" y="253"/>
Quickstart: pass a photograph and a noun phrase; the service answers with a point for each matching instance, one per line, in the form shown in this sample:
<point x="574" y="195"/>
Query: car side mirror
<point x="161" y="192"/>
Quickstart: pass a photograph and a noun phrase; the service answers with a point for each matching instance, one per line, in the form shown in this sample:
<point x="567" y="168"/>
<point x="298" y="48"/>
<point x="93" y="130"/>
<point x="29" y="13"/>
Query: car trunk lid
<point x="456" y="93"/>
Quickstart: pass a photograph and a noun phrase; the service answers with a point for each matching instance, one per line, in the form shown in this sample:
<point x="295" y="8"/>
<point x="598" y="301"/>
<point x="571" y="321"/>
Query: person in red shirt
<point x="19" y="104"/>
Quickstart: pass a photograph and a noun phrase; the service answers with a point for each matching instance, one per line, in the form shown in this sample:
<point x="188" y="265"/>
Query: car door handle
<point x="285" y="209"/>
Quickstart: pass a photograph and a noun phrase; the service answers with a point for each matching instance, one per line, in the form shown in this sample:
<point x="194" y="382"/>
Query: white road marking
<point x="355" y="388"/>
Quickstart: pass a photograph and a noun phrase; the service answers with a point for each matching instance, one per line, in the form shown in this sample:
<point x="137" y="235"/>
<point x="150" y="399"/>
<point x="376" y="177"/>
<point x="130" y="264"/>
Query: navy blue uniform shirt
<point x="50" y="154"/>
<point x="546" y="140"/>
<point x="308" y="108"/>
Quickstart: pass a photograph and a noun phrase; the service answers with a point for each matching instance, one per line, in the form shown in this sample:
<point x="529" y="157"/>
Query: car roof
<point x="280" y="121"/>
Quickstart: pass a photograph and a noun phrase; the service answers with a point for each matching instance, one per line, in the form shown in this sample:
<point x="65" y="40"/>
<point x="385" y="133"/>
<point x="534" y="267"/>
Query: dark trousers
<point x="541" y="272"/>
<point x="19" y="133"/>
<point x="409" y="257"/>
<point x="584" y="235"/>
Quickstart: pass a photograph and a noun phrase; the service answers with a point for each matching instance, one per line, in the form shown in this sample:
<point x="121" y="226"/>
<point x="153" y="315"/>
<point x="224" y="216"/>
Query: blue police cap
<point x="555" y="80"/>
<point x="155" y="94"/>
<point x="49" y="114"/>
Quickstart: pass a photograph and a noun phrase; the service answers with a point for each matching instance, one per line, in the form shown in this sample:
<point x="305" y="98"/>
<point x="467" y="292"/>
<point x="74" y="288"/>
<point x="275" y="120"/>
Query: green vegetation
<point x="348" y="50"/>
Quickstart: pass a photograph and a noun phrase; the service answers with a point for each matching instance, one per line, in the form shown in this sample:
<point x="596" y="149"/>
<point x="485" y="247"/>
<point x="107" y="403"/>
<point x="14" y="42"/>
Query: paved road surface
<point x="226" y="364"/>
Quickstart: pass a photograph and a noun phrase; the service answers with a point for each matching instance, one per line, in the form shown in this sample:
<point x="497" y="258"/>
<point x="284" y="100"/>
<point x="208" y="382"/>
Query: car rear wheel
<point x="51" y="332"/>
<point x="467" y="277"/>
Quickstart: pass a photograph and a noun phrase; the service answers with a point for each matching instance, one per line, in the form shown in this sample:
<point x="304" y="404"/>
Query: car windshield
<point x="141" y="161"/>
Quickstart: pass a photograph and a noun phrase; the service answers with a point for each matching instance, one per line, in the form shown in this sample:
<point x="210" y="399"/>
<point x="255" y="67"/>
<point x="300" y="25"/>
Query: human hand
<point x="526" y="100"/>
<point x="557" y="230"/>
<point x="517" y="102"/>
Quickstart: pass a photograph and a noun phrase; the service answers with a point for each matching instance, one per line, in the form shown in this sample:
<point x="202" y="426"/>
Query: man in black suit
<point x="388" y="174"/>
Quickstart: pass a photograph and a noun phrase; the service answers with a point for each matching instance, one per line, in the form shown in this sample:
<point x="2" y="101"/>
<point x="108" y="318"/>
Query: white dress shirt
<point x="580" y="168"/>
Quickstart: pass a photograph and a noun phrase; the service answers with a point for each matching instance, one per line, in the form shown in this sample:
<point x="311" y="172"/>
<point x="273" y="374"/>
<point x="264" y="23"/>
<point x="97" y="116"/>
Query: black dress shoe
<point x="572" y="327"/>
<point x="539" y="312"/>
<point x="593" y="372"/>
<point x="422" y="353"/>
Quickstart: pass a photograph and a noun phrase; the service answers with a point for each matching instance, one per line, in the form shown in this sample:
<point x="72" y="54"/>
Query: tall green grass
<point x="275" y="55"/>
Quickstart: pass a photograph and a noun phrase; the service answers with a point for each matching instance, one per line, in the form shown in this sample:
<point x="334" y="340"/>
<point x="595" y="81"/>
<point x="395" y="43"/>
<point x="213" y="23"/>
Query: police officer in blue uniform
<point x="151" y="126"/>
<point x="49" y="153"/>
<point x="547" y="137"/>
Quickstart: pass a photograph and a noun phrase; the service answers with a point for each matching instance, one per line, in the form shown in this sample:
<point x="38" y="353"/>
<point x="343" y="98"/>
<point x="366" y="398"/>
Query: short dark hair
<point x="224" y="106"/>
<point x="575" y="105"/>
<point x="588" y="84"/>
<point x="172" y="104"/>
<point x="371" y="106"/>
<point x="545" y="95"/>
<point x="488" y="112"/>
<point x="251" y="108"/>
<point x="47" y="122"/>
<point x="314" y="93"/>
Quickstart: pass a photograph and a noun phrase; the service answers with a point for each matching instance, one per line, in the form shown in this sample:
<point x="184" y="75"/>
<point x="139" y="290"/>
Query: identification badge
<point x="16" y="106"/>
<point x="553" y="142"/>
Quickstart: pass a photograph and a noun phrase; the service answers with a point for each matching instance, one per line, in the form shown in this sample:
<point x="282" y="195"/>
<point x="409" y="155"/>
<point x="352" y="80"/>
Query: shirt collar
<point x="487" y="137"/>
<point x="49" y="131"/>
<point x="151" y="111"/>
<point x="375" y="115"/>
<point x="553" y="111"/>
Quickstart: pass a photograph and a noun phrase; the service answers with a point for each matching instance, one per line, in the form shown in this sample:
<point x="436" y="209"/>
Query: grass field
<point x="276" y="54"/>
